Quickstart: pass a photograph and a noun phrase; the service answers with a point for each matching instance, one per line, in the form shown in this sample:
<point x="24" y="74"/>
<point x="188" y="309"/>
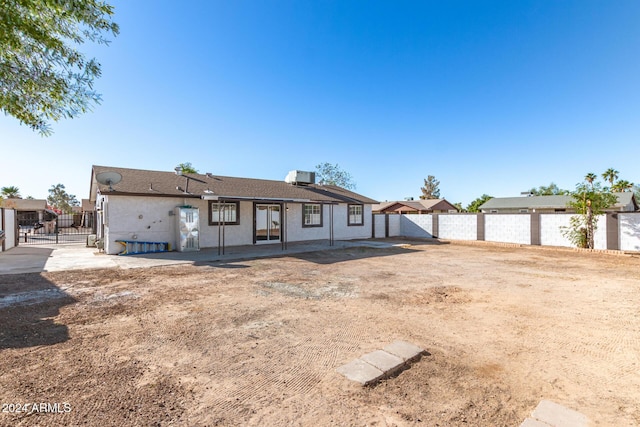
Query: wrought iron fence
<point x="63" y="229"/>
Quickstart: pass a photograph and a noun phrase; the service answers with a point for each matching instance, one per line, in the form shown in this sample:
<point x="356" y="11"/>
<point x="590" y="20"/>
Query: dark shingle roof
<point x="160" y="183"/>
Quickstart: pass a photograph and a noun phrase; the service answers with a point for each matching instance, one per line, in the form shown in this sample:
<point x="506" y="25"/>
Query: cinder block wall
<point x="457" y="227"/>
<point x="414" y="225"/>
<point x="508" y="228"/>
<point x="517" y="228"/>
<point x="8" y="224"/>
<point x="629" y="234"/>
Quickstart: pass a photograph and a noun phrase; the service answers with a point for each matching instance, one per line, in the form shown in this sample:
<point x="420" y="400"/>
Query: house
<point x="149" y="206"/>
<point x="550" y="204"/>
<point x="426" y="206"/>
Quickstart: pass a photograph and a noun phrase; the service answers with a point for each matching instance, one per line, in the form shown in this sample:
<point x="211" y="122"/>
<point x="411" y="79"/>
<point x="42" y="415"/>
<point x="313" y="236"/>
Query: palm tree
<point x="610" y="175"/>
<point x="590" y="177"/>
<point x="11" y="192"/>
<point x="622" y="186"/>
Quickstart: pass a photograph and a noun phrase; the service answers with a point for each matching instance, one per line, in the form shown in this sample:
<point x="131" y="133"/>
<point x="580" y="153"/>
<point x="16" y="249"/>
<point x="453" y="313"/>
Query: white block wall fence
<point x="615" y="231"/>
<point x="9" y="224"/>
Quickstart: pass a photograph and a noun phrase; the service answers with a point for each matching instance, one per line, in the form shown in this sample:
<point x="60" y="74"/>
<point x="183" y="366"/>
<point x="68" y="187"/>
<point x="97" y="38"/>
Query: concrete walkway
<point x="36" y="259"/>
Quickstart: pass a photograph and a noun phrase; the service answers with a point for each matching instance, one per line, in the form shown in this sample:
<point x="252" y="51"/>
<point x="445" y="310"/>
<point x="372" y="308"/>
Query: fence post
<point x="535" y="228"/>
<point x="613" y="233"/>
<point x="386" y="225"/>
<point x="480" y="226"/>
<point x="56" y="231"/>
<point x="434" y="225"/>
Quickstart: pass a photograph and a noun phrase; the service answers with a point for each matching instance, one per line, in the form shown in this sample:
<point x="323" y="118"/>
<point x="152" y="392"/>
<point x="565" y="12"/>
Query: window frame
<point x="361" y="206"/>
<point x="223" y="206"/>
<point x="304" y="214"/>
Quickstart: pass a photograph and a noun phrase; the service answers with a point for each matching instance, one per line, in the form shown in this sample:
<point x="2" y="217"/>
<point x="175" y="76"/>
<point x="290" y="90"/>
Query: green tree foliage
<point x="551" y="190"/>
<point x="187" y="167"/>
<point x="11" y="192"/>
<point x="475" y="205"/>
<point x="328" y="174"/>
<point x="458" y="205"/>
<point x="60" y="199"/>
<point x="43" y="76"/>
<point x="622" y="186"/>
<point x="589" y="200"/>
<point x="430" y="189"/>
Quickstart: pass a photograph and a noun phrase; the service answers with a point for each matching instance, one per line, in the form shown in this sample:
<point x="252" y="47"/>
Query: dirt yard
<point x="258" y="342"/>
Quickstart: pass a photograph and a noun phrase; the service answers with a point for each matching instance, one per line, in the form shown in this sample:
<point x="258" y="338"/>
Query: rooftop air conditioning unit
<point x="300" y="178"/>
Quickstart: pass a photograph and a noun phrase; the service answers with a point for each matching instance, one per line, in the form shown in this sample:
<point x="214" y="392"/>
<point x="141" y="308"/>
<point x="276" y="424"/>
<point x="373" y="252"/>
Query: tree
<point x="329" y="174"/>
<point x="622" y="186"/>
<point x="475" y="205"/>
<point x="610" y="175"/>
<point x="11" y="192"/>
<point x="589" y="201"/>
<point x="458" y="205"/>
<point x="60" y="199"/>
<point x="551" y="190"/>
<point x="44" y="76"/>
<point x="430" y="189"/>
<point x="590" y="178"/>
<point x="187" y="167"/>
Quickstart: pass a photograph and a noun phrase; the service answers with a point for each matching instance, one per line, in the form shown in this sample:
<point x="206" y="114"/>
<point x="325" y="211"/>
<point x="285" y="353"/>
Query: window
<point x="226" y="213"/>
<point x="355" y="215"/>
<point x="312" y="215"/>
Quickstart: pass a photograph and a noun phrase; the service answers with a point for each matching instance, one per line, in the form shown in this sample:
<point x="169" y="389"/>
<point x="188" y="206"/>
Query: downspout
<point x="219" y="227"/>
<point x="331" y="225"/>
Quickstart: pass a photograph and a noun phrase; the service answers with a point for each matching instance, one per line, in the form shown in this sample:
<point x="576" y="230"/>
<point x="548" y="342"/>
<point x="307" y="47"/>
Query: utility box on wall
<point x="188" y="229"/>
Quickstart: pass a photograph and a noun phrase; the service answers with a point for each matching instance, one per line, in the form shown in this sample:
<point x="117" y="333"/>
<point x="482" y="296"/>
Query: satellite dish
<point x="109" y="178"/>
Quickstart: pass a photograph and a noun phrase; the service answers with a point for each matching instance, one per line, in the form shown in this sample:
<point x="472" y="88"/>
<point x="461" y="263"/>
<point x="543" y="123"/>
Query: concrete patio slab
<point x="46" y="258"/>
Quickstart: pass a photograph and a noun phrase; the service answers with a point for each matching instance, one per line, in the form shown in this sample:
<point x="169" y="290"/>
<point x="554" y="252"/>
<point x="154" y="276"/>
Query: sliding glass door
<point x="267" y="223"/>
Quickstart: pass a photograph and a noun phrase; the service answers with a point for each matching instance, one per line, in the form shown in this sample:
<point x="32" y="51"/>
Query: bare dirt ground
<point x="257" y="342"/>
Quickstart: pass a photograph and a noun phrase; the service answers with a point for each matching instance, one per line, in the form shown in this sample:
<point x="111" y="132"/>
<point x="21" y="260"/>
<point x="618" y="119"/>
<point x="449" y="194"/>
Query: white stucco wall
<point x="149" y="219"/>
<point x="629" y="224"/>
<point x="143" y="219"/>
<point x="416" y="225"/>
<point x="507" y="228"/>
<point x="458" y="227"/>
<point x="234" y="235"/>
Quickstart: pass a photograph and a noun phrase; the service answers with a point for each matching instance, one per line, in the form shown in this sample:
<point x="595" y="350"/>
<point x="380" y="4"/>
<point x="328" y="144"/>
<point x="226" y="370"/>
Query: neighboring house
<point x="426" y="206"/>
<point x="145" y="206"/>
<point x="550" y="204"/>
<point x="33" y="215"/>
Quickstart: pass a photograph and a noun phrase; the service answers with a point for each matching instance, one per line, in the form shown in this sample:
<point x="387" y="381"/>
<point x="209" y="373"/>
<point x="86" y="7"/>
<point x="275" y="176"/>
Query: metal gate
<point x="63" y="229"/>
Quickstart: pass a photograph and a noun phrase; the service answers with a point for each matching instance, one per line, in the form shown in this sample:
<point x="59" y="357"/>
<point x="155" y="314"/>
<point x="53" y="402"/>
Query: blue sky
<point x="490" y="97"/>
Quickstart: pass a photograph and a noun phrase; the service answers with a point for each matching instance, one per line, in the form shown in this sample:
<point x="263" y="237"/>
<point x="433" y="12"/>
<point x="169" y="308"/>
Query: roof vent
<point x="300" y="178"/>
